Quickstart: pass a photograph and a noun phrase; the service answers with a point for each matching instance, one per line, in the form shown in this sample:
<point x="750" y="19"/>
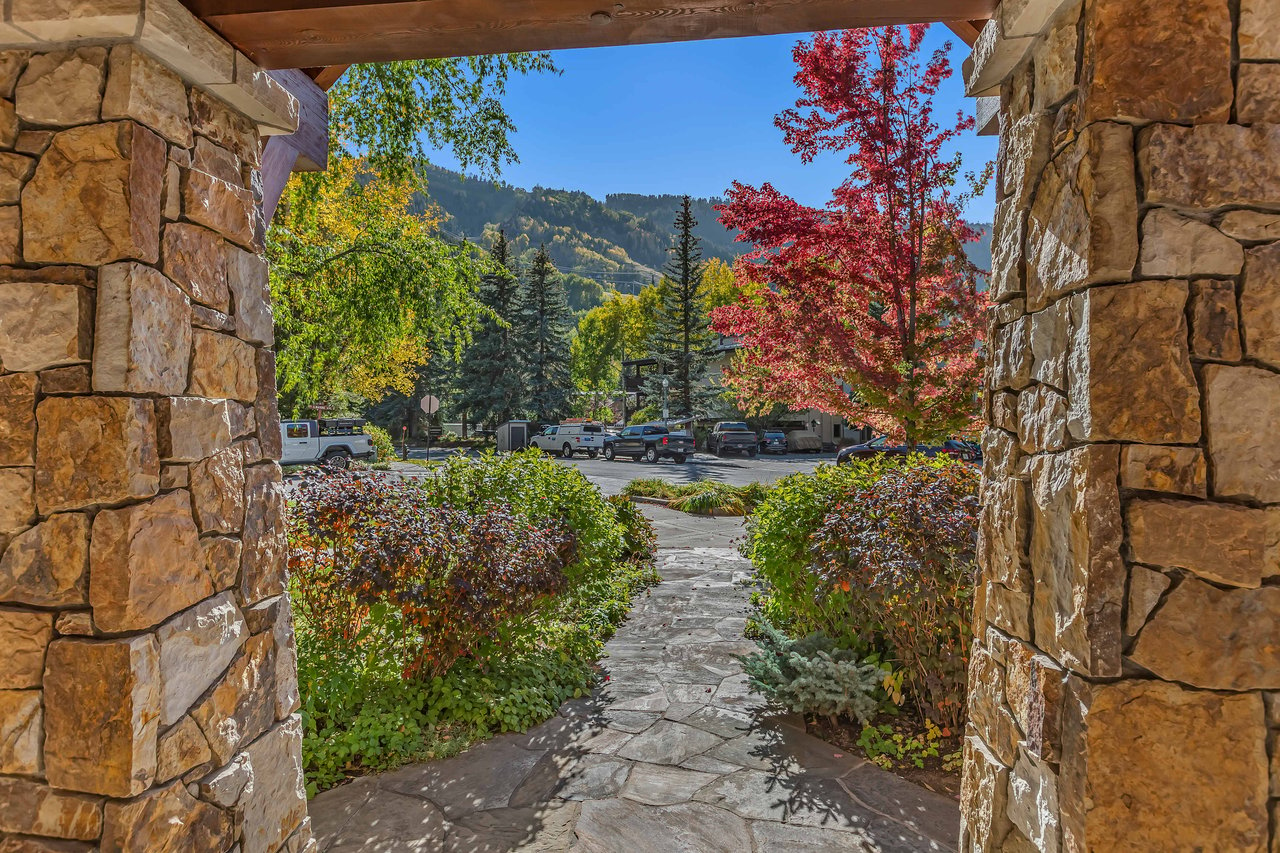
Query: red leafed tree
<point x="872" y="310"/>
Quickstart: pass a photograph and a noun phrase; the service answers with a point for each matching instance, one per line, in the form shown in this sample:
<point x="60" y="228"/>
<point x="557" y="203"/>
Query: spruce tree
<point x="545" y="324"/>
<point x="682" y="341"/>
<point x="491" y="378"/>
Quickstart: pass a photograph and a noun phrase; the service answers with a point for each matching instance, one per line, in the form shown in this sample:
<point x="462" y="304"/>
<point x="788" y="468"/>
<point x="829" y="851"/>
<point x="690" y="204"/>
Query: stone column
<point x="1128" y="616"/>
<point x="147" y="671"/>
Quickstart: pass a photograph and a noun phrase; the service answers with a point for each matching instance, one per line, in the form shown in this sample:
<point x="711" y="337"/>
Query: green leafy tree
<point x="393" y="113"/>
<point x="594" y="363"/>
<point x="721" y="286"/>
<point x="607" y="334"/>
<point x="491" y="377"/>
<point x="544" y="324"/>
<point x="682" y="340"/>
<point x="364" y="291"/>
<point x="718" y="284"/>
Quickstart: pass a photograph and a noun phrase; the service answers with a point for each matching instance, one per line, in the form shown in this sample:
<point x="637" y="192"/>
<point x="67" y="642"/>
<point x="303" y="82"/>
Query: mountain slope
<point x="618" y="244"/>
<point x="660" y="212"/>
<point x="584" y="236"/>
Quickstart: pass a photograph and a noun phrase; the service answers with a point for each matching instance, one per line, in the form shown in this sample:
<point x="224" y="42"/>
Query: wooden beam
<point x="313" y="33"/>
<point x="278" y="161"/>
<point x="327" y="76"/>
<point x="967" y="30"/>
<point x="311" y="140"/>
<point x="305" y="150"/>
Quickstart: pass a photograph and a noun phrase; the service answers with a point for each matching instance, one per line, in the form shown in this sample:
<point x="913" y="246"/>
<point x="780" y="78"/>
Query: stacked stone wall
<point x="148" y="692"/>
<point x="1128" y="614"/>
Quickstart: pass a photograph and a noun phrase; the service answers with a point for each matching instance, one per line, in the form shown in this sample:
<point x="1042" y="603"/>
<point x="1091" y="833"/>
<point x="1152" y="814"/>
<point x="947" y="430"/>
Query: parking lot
<point x="733" y="470"/>
<point x="612" y="476"/>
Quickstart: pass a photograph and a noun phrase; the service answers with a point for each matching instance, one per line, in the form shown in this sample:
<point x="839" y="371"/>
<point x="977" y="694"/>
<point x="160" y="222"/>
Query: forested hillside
<point x="618" y="244"/>
<point x="660" y="211"/>
<point x="605" y="242"/>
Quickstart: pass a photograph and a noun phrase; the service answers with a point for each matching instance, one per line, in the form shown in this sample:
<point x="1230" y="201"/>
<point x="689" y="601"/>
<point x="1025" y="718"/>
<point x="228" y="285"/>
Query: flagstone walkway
<point x="672" y="755"/>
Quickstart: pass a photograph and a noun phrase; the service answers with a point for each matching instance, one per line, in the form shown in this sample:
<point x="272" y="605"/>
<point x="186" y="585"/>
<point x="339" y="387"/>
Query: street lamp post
<point x="666" y="384"/>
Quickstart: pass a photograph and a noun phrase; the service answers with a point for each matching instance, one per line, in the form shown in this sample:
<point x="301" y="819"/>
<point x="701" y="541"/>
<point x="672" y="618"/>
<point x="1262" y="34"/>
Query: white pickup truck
<point x="570" y="438"/>
<point x="336" y="440"/>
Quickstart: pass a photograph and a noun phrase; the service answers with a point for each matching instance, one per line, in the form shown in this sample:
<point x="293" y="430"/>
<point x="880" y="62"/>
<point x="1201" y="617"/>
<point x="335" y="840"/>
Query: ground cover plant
<point x="701" y="498"/>
<point x="434" y="612"/>
<point x="877" y="559"/>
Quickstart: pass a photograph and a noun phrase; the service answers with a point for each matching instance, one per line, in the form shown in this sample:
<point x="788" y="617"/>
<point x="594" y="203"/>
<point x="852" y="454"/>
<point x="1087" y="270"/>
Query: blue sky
<point x="685" y="118"/>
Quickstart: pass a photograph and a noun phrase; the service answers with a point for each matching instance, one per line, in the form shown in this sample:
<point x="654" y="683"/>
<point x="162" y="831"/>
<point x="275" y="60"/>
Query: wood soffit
<point x="319" y="34"/>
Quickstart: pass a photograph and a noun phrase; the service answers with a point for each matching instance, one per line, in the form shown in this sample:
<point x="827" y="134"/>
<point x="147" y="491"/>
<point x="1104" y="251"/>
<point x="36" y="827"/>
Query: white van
<point x="570" y="438"/>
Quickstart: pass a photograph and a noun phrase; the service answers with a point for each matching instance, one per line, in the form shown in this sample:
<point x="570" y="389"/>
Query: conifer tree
<point x="544" y="323"/>
<point x="682" y="341"/>
<point x="491" y="377"/>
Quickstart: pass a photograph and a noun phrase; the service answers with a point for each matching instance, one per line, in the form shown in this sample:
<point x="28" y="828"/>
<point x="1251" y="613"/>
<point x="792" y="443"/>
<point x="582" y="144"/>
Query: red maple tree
<point x="872" y="310"/>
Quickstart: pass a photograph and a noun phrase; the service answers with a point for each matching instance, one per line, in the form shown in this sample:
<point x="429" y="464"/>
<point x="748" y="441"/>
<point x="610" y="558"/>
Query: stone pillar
<point x="148" y="691"/>
<point x="1128" y="615"/>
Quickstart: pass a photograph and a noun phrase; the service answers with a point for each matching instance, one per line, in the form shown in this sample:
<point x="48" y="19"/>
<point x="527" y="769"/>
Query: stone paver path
<point x="672" y="755"/>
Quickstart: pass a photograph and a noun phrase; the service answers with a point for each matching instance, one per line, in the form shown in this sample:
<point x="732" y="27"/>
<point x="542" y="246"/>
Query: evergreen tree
<point x="491" y="378"/>
<point x="545" y="323"/>
<point x="682" y="341"/>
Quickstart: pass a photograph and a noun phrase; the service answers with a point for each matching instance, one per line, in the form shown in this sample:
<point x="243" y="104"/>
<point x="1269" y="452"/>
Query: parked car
<point x="650" y="442"/>
<point x="881" y="446"/>
<point x="568" y="439"/>
<point x="732" y="437"/>
<point x="804" y="441"/>
<point x="773" y="442"/>
<point x="335" y="440"/>
<point x="968" y="451"/>
<point x="875" y="447"/>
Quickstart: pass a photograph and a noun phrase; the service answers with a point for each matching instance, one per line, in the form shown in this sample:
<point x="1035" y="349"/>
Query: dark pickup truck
<point x="732" y="437"/>
<point x="650" y="442"/>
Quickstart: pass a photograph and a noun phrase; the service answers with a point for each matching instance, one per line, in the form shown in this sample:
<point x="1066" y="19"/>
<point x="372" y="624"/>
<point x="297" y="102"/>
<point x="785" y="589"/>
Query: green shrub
<point x="455" y="576"/>
<point x="903" y="549"/>
<point x="382" y="442"/>
<point x="650" y="487"/>
<point x="543" y="492"/>
<point x="368" y="702"/>
<point x="890" y="745"/>
<point x="716" y="497"/>
<point x="701" y="497"/>
<point x="358" y="713"/>
<point x="814" y="676"/>
<point x="639" y="539"/>
<point x="879" y="556"/>
<point x="778" y="543"/>
<point x="646" y="414"/>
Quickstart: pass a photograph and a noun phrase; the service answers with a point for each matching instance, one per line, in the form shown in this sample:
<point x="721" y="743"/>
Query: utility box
<point x="513" y="435"/>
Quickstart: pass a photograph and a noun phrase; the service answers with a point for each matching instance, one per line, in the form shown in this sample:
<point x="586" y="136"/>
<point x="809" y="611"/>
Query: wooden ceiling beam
<point x="967" y="30"/>
<point x="326" y="76"/>
<point x="314" y="33"/>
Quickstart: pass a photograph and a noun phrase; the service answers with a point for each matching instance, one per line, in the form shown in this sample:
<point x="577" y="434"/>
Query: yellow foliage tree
<point x="364" y="288"/>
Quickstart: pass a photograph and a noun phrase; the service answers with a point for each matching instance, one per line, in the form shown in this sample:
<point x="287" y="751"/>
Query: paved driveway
<point x="733" y="470"/>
